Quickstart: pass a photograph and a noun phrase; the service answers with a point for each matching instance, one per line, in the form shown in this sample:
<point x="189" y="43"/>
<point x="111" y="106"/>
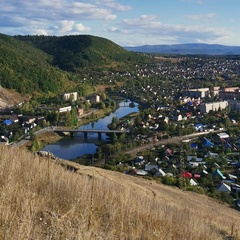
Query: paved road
<point x="134" y="151"/>
<point x="26" y="139"/>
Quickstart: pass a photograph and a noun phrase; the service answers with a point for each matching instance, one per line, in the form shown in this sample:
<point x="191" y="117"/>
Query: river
<point x="71" y="148"/>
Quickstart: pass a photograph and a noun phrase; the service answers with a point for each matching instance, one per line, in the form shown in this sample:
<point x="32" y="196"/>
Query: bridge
<point x="86" y="131"/>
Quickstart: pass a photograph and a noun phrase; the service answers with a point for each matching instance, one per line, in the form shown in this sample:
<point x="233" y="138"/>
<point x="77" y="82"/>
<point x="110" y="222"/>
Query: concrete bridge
<point x="86" y="131"/>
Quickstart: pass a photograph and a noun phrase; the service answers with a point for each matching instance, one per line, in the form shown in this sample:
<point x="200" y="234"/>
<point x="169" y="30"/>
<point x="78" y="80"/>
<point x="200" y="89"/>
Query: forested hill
<point x="73" y="52"/>
<point x="28" y="69"/>
<point x="48" y="64"/>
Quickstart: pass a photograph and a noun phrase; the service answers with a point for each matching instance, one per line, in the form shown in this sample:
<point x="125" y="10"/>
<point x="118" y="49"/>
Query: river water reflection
<point x="71" y="148"/>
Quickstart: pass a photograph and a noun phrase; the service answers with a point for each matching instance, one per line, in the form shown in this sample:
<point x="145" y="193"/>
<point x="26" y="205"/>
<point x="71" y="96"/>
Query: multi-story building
<point x="214" y="106"/>
<point x="72" y="95"/>
<point x="230" y="94"/>
<point x="235" y="105"/>
<point x="196" y="93"/>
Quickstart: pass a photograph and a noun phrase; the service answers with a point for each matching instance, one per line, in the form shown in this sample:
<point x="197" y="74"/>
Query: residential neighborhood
<point x="181" y="104"/>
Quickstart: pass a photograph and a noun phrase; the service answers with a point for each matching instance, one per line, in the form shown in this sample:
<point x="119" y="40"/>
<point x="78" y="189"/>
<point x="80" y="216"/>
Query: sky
<point x="126" y="22"/>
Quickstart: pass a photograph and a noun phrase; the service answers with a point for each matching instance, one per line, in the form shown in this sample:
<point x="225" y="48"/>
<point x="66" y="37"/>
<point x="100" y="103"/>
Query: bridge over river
<point x="86" y="131"/>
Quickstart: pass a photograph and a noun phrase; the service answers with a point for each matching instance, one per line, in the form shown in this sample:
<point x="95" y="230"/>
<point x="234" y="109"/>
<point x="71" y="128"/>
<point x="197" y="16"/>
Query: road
<point x="134" y="152"/>
<point x="26" y="139"/>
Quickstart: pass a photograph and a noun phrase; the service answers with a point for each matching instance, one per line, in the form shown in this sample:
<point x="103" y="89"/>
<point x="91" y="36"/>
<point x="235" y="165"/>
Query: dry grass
<point x="10" y="97"/>
<point x="167" y="59"/>
<point x="40" y="199"/>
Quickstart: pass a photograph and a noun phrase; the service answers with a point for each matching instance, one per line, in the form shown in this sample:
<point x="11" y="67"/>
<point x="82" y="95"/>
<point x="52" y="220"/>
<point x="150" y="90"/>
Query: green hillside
<point x="77" y="51"/>
<point x="28" y="69"/>
<point x="45" y="64"/>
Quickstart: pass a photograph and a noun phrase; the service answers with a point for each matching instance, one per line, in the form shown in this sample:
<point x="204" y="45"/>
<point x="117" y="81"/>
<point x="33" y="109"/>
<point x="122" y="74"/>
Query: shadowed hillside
<point x="41" y="199"/>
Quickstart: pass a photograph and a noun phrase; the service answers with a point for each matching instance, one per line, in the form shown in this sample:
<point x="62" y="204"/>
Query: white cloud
<point x="112" y="4"/>
<point x="27" y="15"/>
<point x="113" y="29"/>
<point x="202" y="17"/>
<point x="157" y="31"/>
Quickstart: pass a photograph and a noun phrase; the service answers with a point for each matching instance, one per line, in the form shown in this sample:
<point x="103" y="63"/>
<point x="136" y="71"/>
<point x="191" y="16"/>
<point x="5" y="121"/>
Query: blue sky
<point x="126" y="22"/>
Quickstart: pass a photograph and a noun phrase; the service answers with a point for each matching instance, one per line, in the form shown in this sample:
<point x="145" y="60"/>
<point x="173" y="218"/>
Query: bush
<point x="168" y="180"/>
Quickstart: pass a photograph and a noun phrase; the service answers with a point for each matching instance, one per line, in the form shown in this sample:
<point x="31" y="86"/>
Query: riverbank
<point x="80" y="145"/>
<point x="89" y="117"/>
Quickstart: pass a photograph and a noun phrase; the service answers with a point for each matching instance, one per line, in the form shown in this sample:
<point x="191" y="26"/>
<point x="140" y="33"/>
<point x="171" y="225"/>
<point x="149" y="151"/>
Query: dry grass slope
<point x="41" y="199"/>
<point x="9" y="97"/>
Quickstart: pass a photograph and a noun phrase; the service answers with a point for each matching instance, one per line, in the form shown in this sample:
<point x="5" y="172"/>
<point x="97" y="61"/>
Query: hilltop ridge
<point x="77" y="51"/>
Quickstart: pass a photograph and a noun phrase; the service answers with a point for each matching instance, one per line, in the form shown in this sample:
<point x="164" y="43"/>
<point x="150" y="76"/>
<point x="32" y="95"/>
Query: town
<point x="178" y="97"/>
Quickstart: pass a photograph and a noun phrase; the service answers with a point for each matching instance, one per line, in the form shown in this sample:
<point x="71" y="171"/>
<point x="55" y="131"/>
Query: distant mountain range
<point x="190" y="48"/>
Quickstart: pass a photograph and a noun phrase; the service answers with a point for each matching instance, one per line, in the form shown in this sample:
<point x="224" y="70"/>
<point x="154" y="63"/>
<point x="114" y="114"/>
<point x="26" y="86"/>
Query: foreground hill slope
<point x="28" y="69"/>
<point x="41" y="199"/>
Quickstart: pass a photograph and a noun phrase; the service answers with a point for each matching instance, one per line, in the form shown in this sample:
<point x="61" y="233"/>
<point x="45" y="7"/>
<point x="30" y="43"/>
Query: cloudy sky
<point x="126" y="22"/>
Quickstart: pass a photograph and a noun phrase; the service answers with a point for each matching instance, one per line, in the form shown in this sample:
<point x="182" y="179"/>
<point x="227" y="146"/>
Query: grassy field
<point x="47" y="199"/>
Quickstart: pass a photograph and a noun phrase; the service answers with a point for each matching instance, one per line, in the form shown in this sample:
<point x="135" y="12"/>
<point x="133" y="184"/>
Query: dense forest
<point x="73" y="52"/>
<point x="50" y="65"/>
<point x="28" y="69"/>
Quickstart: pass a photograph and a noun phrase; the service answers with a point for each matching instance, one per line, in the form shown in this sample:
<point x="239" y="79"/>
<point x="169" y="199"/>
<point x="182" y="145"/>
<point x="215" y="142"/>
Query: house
<point x="4" y="140"/>
<point x="193" y="164"/>
<point x="210" y="154"/>
<point x="193" y="183"/>
<point x="190" y="175"/>
<point x="235" y="187"/>
<point x="207" y="143"/>
<point x="134" y="171"/>
<point x="150" y="167"/>
<point x="94" y="98"/>
<point x="159" y="173"/>
<point x="168" y="152"/>
<point x="218" y="173"/>
<point x="177" y="117"/>
<point x="72" y="95"/>
<point x="196" y="93"/>
<point x="7" y="122"/>
<point x="139" y="161"/>
<point x="65" y="109"/>
<point x="187" y="175"/>
<point x="194" y="158"/>
<point x="224" y="188"/>
<point x="223" y="135"/>
<point x="80" y="111"/>
<point x="14" y="118"/>
<point x="194" y="145"/>
<point x="199" y="127"/>
<point x="26" y="119"/>
<point x="233" y="177"/>
<point x="204" y="172"/>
